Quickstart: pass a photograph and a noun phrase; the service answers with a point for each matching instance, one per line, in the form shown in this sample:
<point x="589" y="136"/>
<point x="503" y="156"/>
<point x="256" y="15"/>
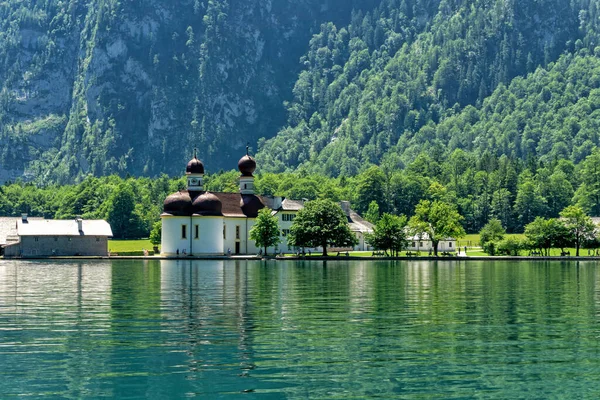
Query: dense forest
<point x="513" y="78"/>
<point x="508" y="189"/>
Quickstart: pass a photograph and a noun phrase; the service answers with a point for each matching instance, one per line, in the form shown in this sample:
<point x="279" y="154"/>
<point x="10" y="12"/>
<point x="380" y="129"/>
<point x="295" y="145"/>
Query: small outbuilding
<point x="45" y="238"/>
<point x="423" y="243"/>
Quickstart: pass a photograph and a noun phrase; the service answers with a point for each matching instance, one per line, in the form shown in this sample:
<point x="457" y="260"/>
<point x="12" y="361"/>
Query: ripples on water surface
<point x="216" y="329"/>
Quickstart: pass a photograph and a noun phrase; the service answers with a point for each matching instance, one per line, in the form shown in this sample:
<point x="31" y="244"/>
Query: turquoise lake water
<point x="347" y="330"/>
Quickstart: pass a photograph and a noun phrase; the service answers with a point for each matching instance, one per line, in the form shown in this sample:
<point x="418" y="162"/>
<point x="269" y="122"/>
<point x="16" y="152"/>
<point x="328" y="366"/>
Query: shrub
<point x="510" y="246"/>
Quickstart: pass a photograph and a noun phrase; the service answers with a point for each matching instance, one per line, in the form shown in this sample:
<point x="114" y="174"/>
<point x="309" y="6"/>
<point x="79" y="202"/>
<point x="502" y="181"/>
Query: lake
<point x="340" y="329"/>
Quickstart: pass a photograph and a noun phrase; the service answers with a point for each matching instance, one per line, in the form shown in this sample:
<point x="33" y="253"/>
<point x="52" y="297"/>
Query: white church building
<point x="196" y="222"/>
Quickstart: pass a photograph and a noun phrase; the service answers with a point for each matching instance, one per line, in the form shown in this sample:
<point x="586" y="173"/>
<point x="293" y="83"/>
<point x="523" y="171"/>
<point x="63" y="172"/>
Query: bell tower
<point x="195" y="174"/>
<point x="247" y="165"/>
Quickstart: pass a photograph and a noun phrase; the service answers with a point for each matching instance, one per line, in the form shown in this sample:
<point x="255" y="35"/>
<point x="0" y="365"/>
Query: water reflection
<point x="308" y="329"/>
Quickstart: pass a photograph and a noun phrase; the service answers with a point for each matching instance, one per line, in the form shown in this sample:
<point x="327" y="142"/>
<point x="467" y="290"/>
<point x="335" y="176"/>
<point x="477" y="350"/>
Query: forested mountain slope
<point x="387" y="87"/>
<point x="107" y="86"/>
<point x="130" y="87"/>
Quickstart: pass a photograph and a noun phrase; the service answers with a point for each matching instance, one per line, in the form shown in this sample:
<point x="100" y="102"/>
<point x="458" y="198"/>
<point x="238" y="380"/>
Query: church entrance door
<point x="237" y="247"/>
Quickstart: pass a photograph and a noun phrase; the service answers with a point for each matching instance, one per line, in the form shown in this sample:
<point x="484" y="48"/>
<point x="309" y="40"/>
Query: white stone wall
<point x="284" y="224"/>
<point x="210" y="237"/>
<point x="209" y="240"/>
<point x="171" y="239"/>
<point x="362" y="243"/>
<point x="443" y="245"/>
<point x="246" y="245"/>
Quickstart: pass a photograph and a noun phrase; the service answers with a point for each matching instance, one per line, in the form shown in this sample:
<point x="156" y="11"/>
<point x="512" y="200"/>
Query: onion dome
<point x="247" y="165"/>
<point x="207" y="204"/>
<point x="251" y="205"/>
<point x="179" y="204"/>
<point x="195" y="166"/>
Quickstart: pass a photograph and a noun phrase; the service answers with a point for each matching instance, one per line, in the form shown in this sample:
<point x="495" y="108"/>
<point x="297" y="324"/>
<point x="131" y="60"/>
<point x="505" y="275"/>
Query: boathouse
<point x="45" y="238"/>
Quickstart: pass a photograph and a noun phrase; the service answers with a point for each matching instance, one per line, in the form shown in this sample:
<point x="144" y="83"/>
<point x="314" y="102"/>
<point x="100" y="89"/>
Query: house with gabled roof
<point x="38" y="237"/>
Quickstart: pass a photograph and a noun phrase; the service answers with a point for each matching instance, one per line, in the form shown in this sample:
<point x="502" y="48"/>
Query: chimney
<point x="24" y="218"/>
<point x="79" y="223"/>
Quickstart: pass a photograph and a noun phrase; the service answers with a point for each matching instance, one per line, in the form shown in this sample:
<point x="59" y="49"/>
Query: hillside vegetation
<point x="508" y="77"/>
<point x="332" y="86"/>
<point x="107" y="86"/>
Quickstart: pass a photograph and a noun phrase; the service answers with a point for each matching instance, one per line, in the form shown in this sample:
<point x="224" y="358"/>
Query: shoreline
<point x="318" y="258"/>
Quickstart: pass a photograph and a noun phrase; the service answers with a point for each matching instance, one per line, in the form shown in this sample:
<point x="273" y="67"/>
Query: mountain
<point x="105" y="86"/>
<point x="389" y="85"/>
<point x="99" y="87"/>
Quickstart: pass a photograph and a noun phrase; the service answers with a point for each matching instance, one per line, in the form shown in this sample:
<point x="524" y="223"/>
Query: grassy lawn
<point x="472" y="240"/>
<point x="135" y="248"/>
<point x="474" y="252"/>
<point x="129" y="247"/>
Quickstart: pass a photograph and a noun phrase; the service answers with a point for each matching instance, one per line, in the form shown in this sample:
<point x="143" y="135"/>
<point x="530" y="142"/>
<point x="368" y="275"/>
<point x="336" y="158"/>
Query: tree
<point x="529" y="202"/>
<point x="321" y="223"/>
<point x="267" y="184"/>
<point x="406" y="191"/>
<point x="156" y="233"/>
<point x="265" y="231"/>
<point x="492" y="231"/>
<point x="370" y="187"/>
<point x="560" y="192"/>
<point x="579" y="224"/>
<point x="389" y="233"/>
<point x="437" y="219"/>
<point x="590" y="174"/>
<point x="537" y="235"/>
<point x="544" y="234"/>
<point x="502" y="208"/>
<point x="372" y="214"/>
<point x="125" y="223"/>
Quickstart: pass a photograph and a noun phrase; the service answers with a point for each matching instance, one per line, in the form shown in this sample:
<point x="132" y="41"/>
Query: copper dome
<point x="179" y="204"/>
<point x="207" y="204"/>
<point x="195" y="166"/>
<point x="247" y="165"/>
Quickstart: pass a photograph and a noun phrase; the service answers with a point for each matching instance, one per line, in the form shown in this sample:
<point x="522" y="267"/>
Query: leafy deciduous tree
<point x="156" y="233"/>
<point x="579" y="224"/>
<point x="492" y="231"/>
<point x="321" y="223"/>
<point x="389" y="233"/>
<point x="125" y="223"/>
<point x="437" y="219"/>
<point x="265" y="231"/>
<point x="544" y="234"/>
<point x="372" y="214"/>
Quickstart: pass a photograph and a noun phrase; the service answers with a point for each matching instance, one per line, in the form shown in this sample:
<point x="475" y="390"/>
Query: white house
<point x="423" y="243"/>
<point x="197" y="222"/>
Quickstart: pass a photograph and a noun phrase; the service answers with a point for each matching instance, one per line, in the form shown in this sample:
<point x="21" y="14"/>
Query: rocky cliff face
<point x="101" y="86"/>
